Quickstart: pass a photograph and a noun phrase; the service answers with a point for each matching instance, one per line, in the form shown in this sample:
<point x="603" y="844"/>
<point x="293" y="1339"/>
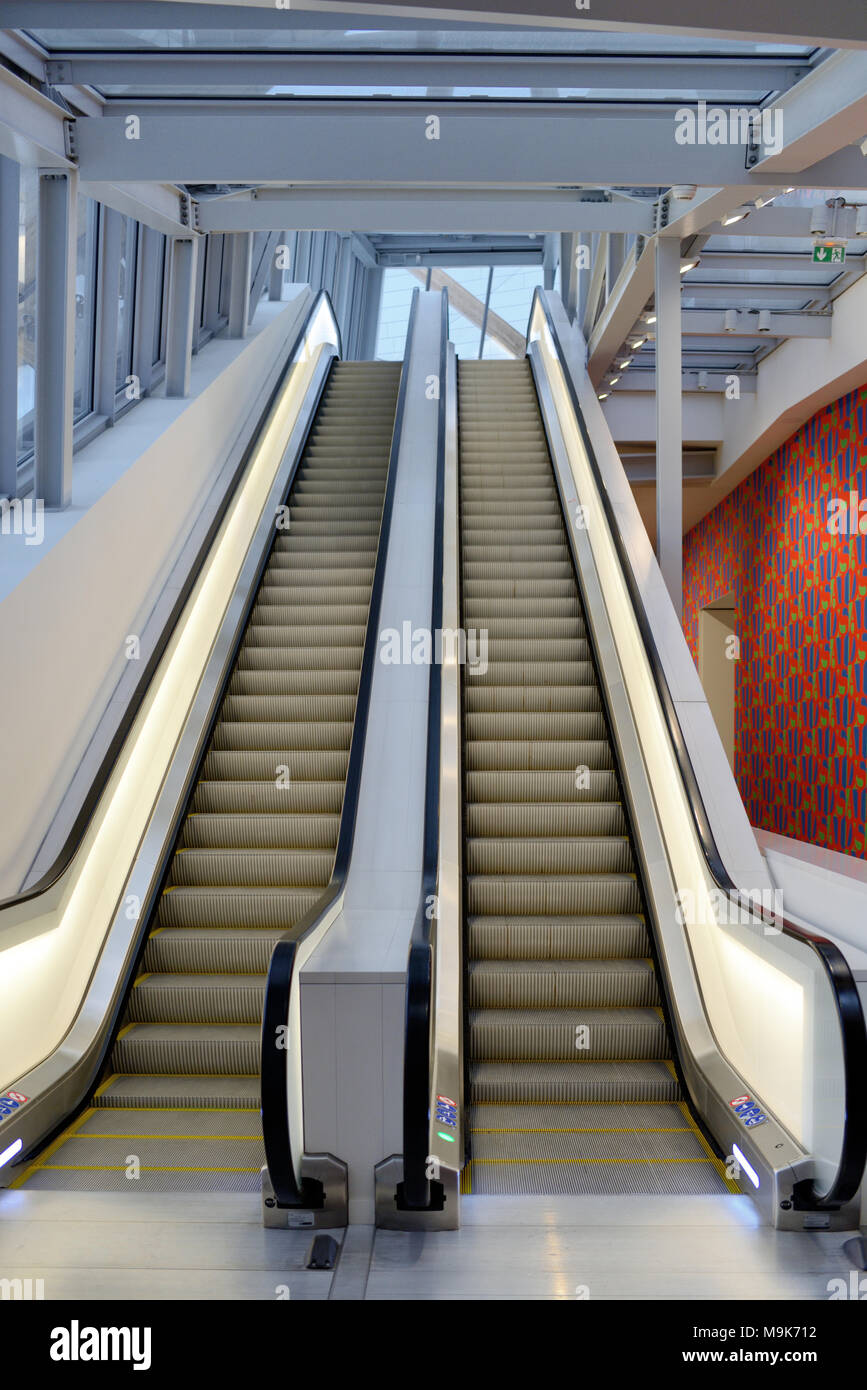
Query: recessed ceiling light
<point x="613" y="380"/>
<point x="649" y="318"/>
<point x="603" y="395"/>
<point x="689" y="265"/>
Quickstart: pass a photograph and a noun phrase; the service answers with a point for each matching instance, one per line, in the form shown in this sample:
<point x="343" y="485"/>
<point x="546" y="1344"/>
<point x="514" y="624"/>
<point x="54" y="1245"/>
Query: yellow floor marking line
<point x="583" y="1129"/>
<point x="593" y="1160"/>
<point x="53" y="1147"/>
<point x="121" y="1168"/>
<point x="706" y="1148"/>
<point x="176" y="1138"/>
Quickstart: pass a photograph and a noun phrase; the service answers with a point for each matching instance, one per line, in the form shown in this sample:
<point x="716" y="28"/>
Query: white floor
<point x="195" y="1247"/>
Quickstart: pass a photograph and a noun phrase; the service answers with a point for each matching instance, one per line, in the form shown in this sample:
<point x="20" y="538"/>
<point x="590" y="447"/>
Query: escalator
<point x="570" y="1083"/>
<point x="180" y="1094"/>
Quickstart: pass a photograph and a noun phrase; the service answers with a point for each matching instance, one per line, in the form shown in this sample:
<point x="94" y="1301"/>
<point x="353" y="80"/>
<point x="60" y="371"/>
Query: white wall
<point x="63" y="627"/>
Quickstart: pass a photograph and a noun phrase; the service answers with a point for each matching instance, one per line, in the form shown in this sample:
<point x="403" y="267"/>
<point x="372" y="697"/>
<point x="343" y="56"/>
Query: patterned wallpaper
<point x="787" y="543"/>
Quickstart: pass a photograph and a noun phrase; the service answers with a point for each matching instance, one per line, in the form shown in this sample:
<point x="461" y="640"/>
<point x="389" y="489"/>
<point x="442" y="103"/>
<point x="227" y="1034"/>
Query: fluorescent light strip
<point x="747" y="1167"/>
<point x="14" y="1148"/>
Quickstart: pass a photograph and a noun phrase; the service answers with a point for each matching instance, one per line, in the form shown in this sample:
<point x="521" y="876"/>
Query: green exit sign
<point x="829" y="255"/>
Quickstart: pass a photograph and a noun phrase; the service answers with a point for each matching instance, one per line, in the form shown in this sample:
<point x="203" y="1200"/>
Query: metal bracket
<point x="70" y="143"/>
<point x="332" y="1175"/>
<point x="661" y="212"/>
<point x="753" y="147"/>
<point x="188" y="212"/>
<point x="58" y="73"/>
<point x="388" y="1175"/>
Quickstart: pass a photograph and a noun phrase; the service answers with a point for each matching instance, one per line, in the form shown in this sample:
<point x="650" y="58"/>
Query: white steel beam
<point x="394" y="142"/>
<point x="32" y="128"/>
<point x="824" y="112"/>
<point x="421" y="210"/>
<point x="156" y="205"/>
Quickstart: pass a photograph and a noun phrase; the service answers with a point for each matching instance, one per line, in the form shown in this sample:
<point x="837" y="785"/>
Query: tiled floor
<point x="187" y="1246"/>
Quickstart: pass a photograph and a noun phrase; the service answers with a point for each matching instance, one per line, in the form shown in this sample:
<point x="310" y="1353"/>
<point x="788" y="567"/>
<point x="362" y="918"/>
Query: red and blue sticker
<point x="447" y="1112"/>
<point x="10" y="1102"/>
<point x="748" y="1112"/>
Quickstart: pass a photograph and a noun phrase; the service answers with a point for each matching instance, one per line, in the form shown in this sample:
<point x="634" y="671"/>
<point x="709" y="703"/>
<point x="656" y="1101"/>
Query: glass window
<point x="126" y="301"/>
<point x="85" y="307"/>
<point x="397" y="288"/>
<point x="161" y="291"/>
<point x="28" y="210"/>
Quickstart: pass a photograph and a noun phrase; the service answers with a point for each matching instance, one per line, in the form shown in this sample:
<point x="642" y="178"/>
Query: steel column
<point x="55" y="336"/>
<point x="182" y="297"/>
<point x="10" y="183"/>
<point x="240" y="247"/>
<point x="105" y="367"/>
<point x="669" y="419"/>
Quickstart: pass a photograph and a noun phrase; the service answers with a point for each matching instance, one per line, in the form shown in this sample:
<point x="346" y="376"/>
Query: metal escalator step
<point x="505" y="819"/>
<point x="557" y="938"/>
<point x="513" y="755"/>
<point x="242" y="868"/>
<point x="494" y="590"/>
<point x="530" y="672"/>
<point x="197" y="998"/>
<point x="308" y="765"/>
<point x="246" y="951"/>
<point x="580" y="1147"/>
<point x="501" y="699"/>
<point x="552" y="1178"/>
<point x="298" y="683"/>
<point x="297" y="734"/>
<point x="550" y="984"/>
<point x="268" y="613"/>
<point x="289" y="709"/>
<point x="588" y="1117"/>
<point x="557" y="855"/>
<point x="564" y="895"/>
<point x="267" y="798"/>
<point x="250" y="831"/>
<point x="490" y="606"/>
<point x="236" y="907"/>
<point x="529" y="785"/>
<point x="534" y="725"/>
<point x="511" y="1083"/>
<point x="263" y="634"/>
<point x="164" y="1092"/>
<point x="210" y="1049"/>
<point x="321" y="657"/>
<point x="550" y="1035"/>
<point x="500" y="629"/>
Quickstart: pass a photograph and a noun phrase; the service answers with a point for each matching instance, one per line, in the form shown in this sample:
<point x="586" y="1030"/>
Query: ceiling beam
<point x="711" y="323"/>
<point x="737" y="292"/>
<point x="625" y="302"/>
<point x="156" y="68"/>
<point x="834" y="24"/>
<point x="715" y="381"/>
<point x="159" y="206"/>
<point x="781" y="222"/>
<point x="32" y="128"/>
<point x="824" y="112"/>
<point x="421" y="210"/>
<point x="393" y="143"/>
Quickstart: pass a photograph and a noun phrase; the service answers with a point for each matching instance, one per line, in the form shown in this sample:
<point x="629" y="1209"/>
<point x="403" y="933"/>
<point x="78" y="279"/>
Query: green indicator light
<point x="450" y="1137"/>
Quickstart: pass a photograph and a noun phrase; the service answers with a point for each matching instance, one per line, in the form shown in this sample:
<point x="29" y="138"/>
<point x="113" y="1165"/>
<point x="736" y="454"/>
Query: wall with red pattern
<point x="787" y="544"/>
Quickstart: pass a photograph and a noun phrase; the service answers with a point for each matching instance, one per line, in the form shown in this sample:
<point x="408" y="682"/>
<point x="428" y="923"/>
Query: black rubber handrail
<point x="416" y="1192"/>
<point x="844" y="989"/>
<point x="275" y="1094"/>
<point x="76" y="835"/>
